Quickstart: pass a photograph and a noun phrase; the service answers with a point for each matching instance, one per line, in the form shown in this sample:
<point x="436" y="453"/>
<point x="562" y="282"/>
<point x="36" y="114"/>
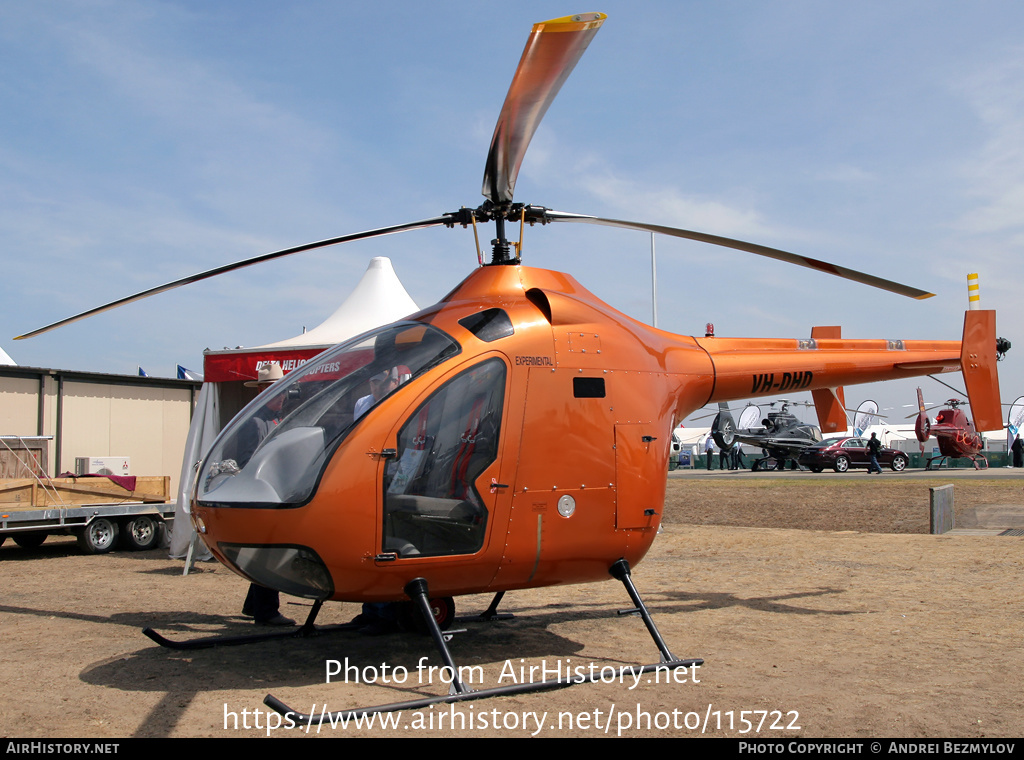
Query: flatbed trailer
<point x="101" y="513"/>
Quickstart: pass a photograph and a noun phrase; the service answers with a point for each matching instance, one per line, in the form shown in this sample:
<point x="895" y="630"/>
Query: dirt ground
<point x="820" y="607"/>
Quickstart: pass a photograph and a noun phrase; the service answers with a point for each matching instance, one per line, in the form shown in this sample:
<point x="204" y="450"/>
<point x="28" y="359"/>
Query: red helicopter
<point x="517" y="433"/>
<point x="955" y="433"/>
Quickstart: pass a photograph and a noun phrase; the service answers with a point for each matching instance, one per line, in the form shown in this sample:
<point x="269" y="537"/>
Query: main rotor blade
<point x="760" y="250"/>
<point x="550" y="55"/>
<point x="438" y="220"/>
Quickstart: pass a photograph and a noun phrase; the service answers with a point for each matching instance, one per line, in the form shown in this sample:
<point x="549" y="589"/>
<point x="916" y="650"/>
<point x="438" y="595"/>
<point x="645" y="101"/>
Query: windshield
<point x="826" y="443"/>
<point x="273" y="452"/>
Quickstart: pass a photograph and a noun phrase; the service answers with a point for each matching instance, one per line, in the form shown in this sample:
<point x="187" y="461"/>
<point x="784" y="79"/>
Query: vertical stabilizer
<point x="978" y="364"/>
<point x="830" y="403"/>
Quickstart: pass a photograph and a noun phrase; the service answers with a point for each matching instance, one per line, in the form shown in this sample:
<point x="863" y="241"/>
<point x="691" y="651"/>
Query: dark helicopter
<point x="780" y="433"/>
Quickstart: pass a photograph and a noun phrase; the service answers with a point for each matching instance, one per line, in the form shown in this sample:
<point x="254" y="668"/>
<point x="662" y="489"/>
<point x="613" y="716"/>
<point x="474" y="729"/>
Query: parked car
<point x="843" y="453"/>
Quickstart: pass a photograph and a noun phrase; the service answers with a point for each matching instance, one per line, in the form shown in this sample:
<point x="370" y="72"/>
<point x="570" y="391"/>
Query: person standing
<point x="874" y="446"/>
<point x="709" y="450"/>
<point x="1018" y="451"/>
<point x="737" y="456"/>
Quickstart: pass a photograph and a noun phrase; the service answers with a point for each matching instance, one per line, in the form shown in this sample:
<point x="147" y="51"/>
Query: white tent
<point x="6" y="359"/>
<point x="378" y="299"/>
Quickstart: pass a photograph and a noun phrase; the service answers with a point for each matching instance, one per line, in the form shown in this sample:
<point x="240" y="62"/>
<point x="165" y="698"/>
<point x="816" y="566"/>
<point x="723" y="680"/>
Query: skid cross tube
<point x="417" y="590"/>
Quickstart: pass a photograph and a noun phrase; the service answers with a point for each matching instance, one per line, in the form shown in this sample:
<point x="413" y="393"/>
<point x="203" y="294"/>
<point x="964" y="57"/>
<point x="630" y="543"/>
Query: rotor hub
<point x="499" y="213"/>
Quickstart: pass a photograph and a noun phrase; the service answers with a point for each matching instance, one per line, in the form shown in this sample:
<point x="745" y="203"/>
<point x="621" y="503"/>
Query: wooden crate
<point x="22" y="459"/>
<point x="27" y="493"/>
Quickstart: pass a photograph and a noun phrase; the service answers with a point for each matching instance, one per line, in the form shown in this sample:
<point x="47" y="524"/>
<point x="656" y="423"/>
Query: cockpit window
<point x="273" y="452"/>
<point x="489" y="325"/>
<point x="431" y="502"/>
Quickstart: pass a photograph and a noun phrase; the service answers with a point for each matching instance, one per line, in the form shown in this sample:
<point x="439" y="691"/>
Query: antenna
<point x="654" y="285"/>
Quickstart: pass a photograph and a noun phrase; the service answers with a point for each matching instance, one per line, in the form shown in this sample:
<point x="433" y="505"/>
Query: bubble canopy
<point x="273" y="453"/>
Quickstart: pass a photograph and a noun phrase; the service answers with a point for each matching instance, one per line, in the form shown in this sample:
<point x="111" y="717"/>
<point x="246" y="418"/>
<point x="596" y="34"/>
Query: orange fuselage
<point x="578" y="478"/>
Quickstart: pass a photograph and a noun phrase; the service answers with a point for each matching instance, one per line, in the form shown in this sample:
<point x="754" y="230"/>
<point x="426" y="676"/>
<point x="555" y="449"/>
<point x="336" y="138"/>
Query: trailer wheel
<point x="140" y="533"/>
<point x="32" y="540"/>
<point x="99" y="536"/>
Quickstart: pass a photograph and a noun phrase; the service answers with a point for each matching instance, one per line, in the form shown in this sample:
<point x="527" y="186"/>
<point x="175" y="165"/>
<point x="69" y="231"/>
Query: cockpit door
<point x="438" y="463"/>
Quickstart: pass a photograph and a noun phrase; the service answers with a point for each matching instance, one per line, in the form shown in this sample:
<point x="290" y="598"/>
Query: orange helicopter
<point x="517" y="433"/>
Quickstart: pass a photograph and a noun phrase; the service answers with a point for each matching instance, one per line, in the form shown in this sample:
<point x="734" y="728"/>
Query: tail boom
<point x="750" y="368"/>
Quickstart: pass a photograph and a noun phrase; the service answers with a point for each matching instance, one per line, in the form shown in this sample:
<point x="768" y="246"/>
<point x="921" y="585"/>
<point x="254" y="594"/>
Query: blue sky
<point x="144" y="141"/>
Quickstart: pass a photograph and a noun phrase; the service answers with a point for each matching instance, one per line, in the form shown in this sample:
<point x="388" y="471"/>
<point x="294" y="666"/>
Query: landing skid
<point x="307" y="629"/>
<point x="942" y="461"/>
<point x="766" y="464"/>
<point x="460" y="692"/>
<point x="208" y="642"/>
